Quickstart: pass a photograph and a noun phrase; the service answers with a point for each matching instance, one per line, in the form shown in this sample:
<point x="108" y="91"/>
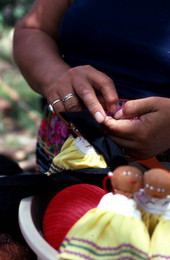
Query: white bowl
<point x="31" y="211"/>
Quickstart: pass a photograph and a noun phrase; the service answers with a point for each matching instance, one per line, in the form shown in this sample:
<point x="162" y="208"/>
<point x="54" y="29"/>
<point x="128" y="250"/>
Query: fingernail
<point x="118" y="114"/>
<point x="99" y="117"/>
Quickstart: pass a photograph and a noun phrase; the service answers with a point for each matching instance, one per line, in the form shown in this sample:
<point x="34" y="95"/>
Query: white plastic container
<point x="31" y="211"/>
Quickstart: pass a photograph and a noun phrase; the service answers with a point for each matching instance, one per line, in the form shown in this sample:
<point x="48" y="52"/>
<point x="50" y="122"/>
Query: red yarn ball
<point x="66" y="208"/>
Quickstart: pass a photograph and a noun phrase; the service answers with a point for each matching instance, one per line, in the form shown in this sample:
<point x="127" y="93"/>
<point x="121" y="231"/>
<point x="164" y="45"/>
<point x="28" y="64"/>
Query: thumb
<point x="135" y="108"/>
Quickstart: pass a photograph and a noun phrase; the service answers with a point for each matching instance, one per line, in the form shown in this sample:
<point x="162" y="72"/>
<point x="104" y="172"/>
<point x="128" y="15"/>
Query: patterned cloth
<point x="52" y="135"/>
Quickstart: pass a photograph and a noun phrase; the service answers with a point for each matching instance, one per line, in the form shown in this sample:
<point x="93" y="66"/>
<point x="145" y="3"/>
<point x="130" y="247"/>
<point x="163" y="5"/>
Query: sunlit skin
<point x="157" y="183"/>
<point x="126" y="180"/>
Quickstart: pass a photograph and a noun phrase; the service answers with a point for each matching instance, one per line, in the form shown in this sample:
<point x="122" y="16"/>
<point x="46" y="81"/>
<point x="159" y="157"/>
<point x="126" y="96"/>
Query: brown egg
<point x="157" y="183"/>
<point x="126" y="180"/>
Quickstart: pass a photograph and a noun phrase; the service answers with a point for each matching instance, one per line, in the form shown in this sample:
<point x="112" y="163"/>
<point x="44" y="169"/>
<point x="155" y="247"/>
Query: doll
<point x="87" y="147"/>
<point x="76" y="153"/>
<point x="153" y="199"/>
<point x="154" y="202"/>
<point x="112" y="230"/>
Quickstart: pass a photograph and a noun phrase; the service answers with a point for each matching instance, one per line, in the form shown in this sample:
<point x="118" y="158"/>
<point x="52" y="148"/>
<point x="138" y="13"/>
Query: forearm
<point x="38" y="57"/>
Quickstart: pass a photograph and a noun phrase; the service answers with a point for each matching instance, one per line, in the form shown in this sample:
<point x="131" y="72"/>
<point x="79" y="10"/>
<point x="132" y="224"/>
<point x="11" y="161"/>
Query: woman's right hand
<point x="40" y="61"/>
<point x="93" y="90"/>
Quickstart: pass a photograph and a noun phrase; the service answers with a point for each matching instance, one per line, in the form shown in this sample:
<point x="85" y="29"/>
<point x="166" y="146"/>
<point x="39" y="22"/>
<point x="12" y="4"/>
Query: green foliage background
<point x="12" y="10"/>
<point x="19" y="123"/>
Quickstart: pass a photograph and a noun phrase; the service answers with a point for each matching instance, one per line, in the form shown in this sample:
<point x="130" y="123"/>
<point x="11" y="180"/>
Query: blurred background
<point x="19" y="105"/>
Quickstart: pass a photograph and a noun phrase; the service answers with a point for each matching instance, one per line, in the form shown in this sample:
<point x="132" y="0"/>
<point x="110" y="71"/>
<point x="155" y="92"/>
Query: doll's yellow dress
<point x="76" y="153"/>
<point x="111" y="231"/>
<point x="156" y="216"/>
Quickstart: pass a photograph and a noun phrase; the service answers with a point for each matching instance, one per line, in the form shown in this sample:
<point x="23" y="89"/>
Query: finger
<point x="66" y="88"/>
<point x="102" y="102"/>
<point x="88" y="80"/>
<point x="136" y="108"/>
<point x="58" y="106"/>
<point x="90" y="100"/>
<point x="55" y="105"/>
<point x="123" y="127"/>
<point x="105" y="85"/>
<point x="71" y="102"/>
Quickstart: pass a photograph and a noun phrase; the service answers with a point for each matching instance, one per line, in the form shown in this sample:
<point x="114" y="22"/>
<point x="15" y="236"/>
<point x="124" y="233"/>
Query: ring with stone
<point x="51" y="106"/>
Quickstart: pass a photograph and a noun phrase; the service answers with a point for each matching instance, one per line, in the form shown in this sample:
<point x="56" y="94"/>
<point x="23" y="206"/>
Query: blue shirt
<point x="128" y="40"/>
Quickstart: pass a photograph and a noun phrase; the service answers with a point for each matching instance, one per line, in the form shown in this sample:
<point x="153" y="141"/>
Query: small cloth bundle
<point x="90" y="149"/>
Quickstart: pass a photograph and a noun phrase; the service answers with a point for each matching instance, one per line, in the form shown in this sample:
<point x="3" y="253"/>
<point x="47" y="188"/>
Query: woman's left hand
<point x="142" y="127"/>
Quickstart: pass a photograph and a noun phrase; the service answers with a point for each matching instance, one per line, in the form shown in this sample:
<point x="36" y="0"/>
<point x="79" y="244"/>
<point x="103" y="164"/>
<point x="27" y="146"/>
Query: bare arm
<point x="35" y="48"/>
<point x="38" y="57"/>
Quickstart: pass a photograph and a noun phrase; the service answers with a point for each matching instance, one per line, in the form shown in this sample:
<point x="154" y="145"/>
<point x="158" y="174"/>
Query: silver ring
<point x="50" y="106"/>
<point x="67" y="97"/>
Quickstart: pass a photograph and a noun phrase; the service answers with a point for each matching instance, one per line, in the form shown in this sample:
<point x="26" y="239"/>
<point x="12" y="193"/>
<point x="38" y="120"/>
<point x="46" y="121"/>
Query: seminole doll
<point x="154" y="204"/>
<point x="113" y="229"/>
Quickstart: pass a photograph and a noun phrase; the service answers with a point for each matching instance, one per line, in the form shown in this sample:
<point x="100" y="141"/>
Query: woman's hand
<point x="93" y="90"/>
<point x="142" y="127"/>
<point x="38" y="56"/>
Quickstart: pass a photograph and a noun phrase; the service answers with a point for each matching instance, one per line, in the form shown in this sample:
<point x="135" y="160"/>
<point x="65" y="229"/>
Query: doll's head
<point x="126" y="180"/>
<point x="157" y="183"/>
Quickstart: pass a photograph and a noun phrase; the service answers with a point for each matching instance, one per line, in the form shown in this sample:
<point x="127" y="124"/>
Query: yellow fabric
<point x="160" y="242"/>
<point x="71" y="158"/>
<point x="102" y="234"/>
<point x="150" y="220"/>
